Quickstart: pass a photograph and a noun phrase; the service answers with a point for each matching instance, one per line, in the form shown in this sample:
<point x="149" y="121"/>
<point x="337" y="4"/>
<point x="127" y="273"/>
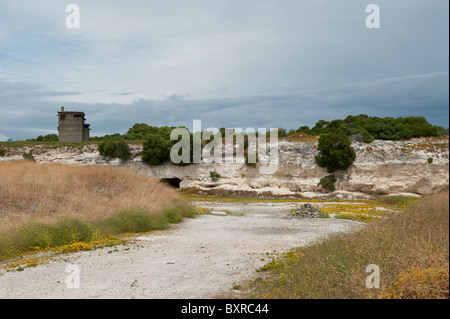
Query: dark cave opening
<point x="173" y="182"/>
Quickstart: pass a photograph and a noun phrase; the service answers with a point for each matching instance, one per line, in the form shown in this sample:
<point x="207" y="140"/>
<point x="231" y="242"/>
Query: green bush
<point x="156" y="150"/>
<point x="131" y="221"/>
<point x="142" y="131"/>
<point x="174" y="215"/>
<point x="214" y="175"/>
<point x="430" y="160"/>
<point x="112" y="149"/>
<point x="32" y="235"/>
<point x="328" y="182"/>
<point x="2" y="151"/>
<point x="184" y="208"/>
<point x="46" y="138"/>
<point x="123" y="150"/>
<point x="335" y="152"/>
<point x="69" y="230"/>
<point x="29" y="156"/>
<point x="65" y="231"/>
<point x="108" y="149"/>
<point x="371" y="128"/>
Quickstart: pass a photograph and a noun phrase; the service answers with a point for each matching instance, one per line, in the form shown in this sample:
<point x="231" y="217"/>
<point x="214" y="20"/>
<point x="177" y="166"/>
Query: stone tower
<point x="72" y="126"/>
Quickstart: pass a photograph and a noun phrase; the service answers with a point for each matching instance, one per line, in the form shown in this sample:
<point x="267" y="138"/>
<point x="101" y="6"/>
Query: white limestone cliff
<point x="381" y="168"/>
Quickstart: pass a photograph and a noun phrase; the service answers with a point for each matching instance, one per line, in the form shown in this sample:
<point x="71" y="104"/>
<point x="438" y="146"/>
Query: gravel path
<point x="199" y="258"/>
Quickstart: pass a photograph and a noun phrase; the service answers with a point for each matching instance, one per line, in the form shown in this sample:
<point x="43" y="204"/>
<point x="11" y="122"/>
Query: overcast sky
<point x="229" y="63"/>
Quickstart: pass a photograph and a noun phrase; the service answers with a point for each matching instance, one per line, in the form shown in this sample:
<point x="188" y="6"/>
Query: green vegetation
<point x="74" y="205"/>
<point x="371" y="128"/>
<point x="157" y="143"/>
<point x="46" y="138"/>
<point x="123" y="150"/>
<point x="328" y="182"/>
<point x="335" y="152"/>
<point x="156" y="150"/>
<point x="410" y="248"/>
<point x="40" y="235"/>
<point x="29" y="156"/>
<point x="430" y="160"/>
<point x="112" y="149"/>
<point x="214" y="176"/>
<point x="2" y="151"/>
<point x="397" y="200"/>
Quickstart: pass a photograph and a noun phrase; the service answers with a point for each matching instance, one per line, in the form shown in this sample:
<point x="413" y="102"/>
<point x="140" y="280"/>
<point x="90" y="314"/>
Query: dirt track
<point x="199" y="258"/>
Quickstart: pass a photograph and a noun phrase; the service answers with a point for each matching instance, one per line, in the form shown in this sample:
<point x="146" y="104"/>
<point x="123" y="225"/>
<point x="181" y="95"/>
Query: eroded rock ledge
<point x="381" y="168"/>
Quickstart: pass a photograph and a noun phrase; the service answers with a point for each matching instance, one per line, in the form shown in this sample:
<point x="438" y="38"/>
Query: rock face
<point x="381" y="168"/>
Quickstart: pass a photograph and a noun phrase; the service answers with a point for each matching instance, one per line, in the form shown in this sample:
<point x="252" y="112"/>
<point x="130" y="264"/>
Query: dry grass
<point x="301" y="137"/>
<point x="411" y="249"/>
<point x="49" y="206"/>
<point x="88" y="192"/>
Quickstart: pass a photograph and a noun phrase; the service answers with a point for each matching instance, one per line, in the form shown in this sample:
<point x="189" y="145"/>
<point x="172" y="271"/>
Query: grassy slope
<point x="49" y="205"/>
<point x="410" y="249"/>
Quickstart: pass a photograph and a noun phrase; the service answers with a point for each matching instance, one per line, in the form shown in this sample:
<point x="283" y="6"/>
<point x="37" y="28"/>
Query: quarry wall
<point x="381" y="168"/>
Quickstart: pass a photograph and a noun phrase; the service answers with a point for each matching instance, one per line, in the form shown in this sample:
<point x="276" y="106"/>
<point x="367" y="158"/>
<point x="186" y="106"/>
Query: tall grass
<point x="48" y="205"/>
<point x="411" y="249"/>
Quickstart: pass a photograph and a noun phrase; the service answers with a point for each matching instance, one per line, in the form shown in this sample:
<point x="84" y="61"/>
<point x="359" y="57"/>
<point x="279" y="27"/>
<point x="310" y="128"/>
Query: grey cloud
<point x="415" y="95"/>
<point x="227" y="62"/>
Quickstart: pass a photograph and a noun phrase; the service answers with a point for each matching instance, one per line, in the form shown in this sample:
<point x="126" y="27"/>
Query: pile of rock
<point x="309" y="211"/>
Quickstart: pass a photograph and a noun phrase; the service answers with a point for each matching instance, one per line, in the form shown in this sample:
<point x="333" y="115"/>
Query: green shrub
<point x="46" y="138"/>
<point x="335" y="152"/>
<point x="430" y="160"/>
<point x="112" y="149"/>
<point x="123" y="150"/>
<point x="183" y="208"/>
<point x="214" y="175"/>
<point x="156" y="150"/>
<point x="31" y="235"/>
<point x="371" y="128"/>
<point x="29" y="156"/>
<point x="173" y="215"/>
<point x="65" y="231"/>
<point x="70" y="230"/>
<point x="328" y="182"/>
<point x="131" y="221"/>
<point x="108" y="149"/>
<point x="2" y="151"/>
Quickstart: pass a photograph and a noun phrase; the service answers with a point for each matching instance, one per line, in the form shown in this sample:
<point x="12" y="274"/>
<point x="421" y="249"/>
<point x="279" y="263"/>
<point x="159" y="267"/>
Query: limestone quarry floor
<point x="199" y="258"/>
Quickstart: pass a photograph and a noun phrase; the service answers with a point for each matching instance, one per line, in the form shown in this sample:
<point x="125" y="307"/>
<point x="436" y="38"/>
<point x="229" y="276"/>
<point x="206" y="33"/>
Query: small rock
<point x="308" y="211"/>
